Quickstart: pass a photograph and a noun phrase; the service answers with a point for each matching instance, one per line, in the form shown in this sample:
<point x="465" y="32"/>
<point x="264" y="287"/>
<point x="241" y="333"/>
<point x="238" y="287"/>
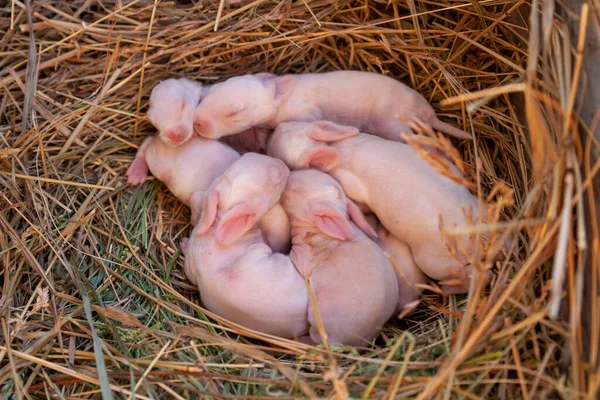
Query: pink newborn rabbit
<point x="368" y="101"/>
<point x="172" y="106"/>
<point x="237" y="274"/>
<point x="406" y="193"/>
<point x="352" y="280"/>
<point x="189" y="169"/>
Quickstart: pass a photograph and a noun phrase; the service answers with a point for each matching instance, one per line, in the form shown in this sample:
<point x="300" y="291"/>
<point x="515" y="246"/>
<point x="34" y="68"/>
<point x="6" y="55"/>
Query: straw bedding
<point x="93" y="298"/>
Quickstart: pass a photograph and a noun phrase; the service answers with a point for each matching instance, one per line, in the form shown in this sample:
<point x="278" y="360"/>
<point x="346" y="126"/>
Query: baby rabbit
<point x="407" y="194"/>
<point x="366" y="100"/>
<point x="172" y="106"/>
<point x="352" y="280"/>
<point x="238" y="275"/>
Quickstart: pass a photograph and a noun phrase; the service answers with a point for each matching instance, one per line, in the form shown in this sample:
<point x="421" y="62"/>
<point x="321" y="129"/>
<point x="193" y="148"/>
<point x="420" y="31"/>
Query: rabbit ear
<point x="326" y="131"/>
<point x="331" y="222"/>
<point x="359" y="219"/>
<point x="209" y="211"/>
<point x="235" y="223"/>
<point x="282" y="87"/>
<point x="322" y="158"/>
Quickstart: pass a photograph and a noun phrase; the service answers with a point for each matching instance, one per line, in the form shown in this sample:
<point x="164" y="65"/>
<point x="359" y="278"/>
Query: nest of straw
<point x="93" y="297"/>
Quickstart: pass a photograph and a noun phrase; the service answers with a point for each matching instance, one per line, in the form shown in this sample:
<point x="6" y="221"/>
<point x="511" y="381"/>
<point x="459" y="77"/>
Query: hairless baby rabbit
<point x="366" y="100"/>
<point x="407" y="194"/>
<point x="237" y="274"/>
<point x="352" y="280"/>
<point x="172" y="106"/>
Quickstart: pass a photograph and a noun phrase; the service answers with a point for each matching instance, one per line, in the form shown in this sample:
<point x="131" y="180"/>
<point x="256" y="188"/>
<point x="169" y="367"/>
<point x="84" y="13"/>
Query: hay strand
<point x="74" y="84"/>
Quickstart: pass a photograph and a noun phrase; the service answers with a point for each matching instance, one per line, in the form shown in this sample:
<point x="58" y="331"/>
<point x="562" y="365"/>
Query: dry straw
<point x="93" y="299"/>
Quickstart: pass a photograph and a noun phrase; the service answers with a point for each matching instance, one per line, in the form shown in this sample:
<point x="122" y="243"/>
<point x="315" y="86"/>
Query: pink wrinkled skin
<point x="189" y="169"/>
<point x="406" y="193"/>
<point x="172" y="106"/>
<point x="352" y="280"/>
<point x="368" y="101"/>
<point x="408" y="273"/>
<point x="237" y="274"/>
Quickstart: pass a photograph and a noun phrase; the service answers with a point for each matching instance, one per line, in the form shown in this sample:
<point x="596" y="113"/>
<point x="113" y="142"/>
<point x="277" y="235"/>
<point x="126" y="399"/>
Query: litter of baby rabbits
<point x="238" y="251"/>
<point x="95" y="294"/>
